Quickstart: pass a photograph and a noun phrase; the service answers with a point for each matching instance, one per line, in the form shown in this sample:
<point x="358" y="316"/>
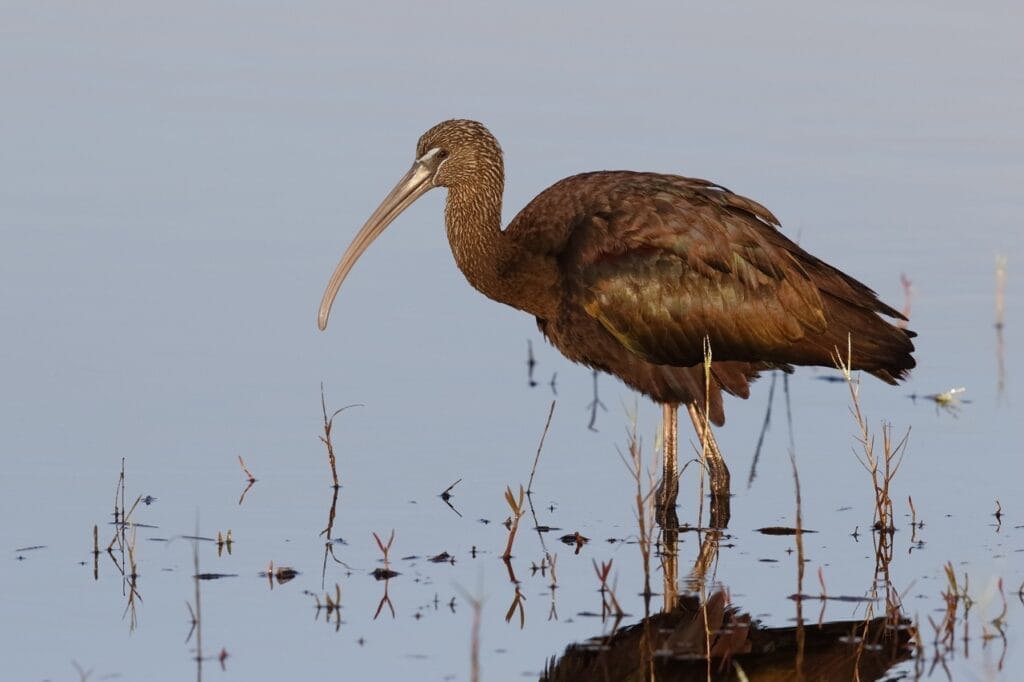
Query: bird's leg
<point x="665" y="500"/>
<point x="715" y="463"/>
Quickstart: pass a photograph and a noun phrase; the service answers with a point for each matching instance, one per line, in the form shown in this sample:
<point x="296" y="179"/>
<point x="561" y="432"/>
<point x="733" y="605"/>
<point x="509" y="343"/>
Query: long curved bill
<point x="412" y="185"/>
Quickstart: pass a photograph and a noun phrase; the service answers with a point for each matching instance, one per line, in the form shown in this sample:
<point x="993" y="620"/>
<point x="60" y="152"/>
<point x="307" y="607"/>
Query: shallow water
<point x="177" y="185"/>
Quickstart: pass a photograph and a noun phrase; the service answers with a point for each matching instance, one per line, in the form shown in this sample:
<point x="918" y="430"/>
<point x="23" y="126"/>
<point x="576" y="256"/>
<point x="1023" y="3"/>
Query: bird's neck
<point x="493" y="262"/>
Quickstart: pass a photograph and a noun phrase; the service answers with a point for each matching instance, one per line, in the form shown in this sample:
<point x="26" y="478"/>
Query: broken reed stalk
<point x="883" y="467"/>
<point x="517" y="513"/>
<point x="609" y="603"/>
<point x="326" y="438"/>
<point x="540" y="446"/>
<point x="385" y="548"/>
<point x="248" y="474"/>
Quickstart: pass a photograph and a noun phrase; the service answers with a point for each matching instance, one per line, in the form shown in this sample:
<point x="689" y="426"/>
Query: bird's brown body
<point x="636" y="269"/>
<point x="629" y="273"/>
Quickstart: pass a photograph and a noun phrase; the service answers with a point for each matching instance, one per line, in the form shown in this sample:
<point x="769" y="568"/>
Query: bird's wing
<point x="663" y="262"/>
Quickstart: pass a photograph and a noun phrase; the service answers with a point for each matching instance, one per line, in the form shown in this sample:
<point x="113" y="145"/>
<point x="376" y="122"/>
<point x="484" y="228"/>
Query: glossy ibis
<point x="630" y="272"/>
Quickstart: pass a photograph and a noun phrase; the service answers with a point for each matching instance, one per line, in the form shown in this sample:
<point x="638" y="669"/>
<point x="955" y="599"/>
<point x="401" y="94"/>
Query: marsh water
<point x="176" y="184"/>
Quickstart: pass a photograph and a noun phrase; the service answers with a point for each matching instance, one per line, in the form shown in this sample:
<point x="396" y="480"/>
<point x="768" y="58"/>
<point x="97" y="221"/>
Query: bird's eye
<point x="442" y="153"/>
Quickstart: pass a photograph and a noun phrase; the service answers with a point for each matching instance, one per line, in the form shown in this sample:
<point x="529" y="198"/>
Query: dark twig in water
<point x="329" y="541"/>
<point x="533" y="470"/>
<point x="95" y="552"/>
<point x="789" y="411"/>
<point x="530" y="364"/>
<point x="553" y="384"/>
<point x="913" y="520"/>
<point x="197" y="621"/>
<point x="447" y="495"/>
<point x="764" y="430"/>
<point x="594" y="404"/>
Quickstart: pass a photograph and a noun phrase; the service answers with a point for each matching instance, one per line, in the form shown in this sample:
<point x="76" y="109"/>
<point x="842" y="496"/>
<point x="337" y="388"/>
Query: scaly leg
<point x="668" y="491"/>
<point x="715" y="464"/>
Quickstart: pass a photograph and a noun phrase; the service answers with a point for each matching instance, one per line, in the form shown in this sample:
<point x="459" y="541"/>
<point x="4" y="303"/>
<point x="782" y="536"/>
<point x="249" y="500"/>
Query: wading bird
<point x="632" y="273"/>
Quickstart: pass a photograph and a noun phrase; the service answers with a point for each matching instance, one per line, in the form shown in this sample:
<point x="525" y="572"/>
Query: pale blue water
<point x="176" y="184"/>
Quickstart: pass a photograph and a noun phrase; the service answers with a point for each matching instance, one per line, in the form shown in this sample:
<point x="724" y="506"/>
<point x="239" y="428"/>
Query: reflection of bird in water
<point x="676" y="646"/>
<point x="629" y="273"/>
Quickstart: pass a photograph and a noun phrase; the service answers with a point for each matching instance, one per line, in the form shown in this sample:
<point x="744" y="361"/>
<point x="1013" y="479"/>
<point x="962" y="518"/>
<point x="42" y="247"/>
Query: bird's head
<point x="461" y="151"/>
<point x="453" y="153"/>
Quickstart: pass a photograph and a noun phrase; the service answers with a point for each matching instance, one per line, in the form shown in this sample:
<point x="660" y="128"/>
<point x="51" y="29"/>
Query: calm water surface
<point x="177" y="183"/>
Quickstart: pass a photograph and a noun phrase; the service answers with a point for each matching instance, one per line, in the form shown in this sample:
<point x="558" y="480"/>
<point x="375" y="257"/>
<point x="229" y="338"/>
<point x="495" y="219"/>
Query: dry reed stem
<point x="882" y="468"/>
<point x="540" y="446"/>
<point x="326" y="438"/>
<point x="799" y="539"/>
<point x="644" y="500"/>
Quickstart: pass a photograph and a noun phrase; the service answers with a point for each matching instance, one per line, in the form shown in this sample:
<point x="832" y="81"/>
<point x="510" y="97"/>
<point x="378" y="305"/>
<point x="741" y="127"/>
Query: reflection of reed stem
<point x="474" y="642"/>
<point x="197" y="620"/>
<point x="799" y="538"/>
<point x="1000" y="313"/>
<point x="1000" y="289"/>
